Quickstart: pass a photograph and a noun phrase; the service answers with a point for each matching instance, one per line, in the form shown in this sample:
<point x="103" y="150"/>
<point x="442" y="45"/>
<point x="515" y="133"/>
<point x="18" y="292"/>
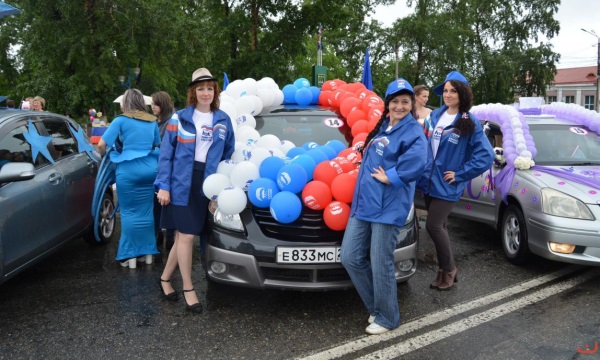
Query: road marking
<point x="431" y="337"/>
<point x="436" y="317"/>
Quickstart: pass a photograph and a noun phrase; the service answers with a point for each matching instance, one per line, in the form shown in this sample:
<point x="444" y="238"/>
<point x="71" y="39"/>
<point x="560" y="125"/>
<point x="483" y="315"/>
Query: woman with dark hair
<point x="136" y="163"/>
<point x="392" y="161"/>
<point x="458" y="152"/>
<point x="196" y="139"/>
<point x="163" y="109"/>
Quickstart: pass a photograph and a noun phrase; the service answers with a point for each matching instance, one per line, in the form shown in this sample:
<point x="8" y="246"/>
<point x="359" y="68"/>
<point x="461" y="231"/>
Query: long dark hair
<point x="163" y="101"/>
<point x="384" y="114"/>
<point x="465" y="101"/>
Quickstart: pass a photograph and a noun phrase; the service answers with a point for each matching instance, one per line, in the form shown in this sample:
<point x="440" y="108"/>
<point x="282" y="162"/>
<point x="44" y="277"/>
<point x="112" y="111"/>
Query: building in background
<point x="574" y="85"/>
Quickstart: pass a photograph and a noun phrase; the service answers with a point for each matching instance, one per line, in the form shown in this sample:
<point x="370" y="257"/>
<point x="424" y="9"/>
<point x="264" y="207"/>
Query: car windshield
<point x="565" y="145"/>
<point x="301" y="129"/>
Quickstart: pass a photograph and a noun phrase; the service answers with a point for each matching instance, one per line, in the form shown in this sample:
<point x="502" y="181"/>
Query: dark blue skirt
<point x="188" y="219"/>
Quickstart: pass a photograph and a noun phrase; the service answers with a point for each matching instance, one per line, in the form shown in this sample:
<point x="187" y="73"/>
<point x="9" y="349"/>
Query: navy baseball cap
<point x="452" y="75"/>
<point x="397" y="86"/>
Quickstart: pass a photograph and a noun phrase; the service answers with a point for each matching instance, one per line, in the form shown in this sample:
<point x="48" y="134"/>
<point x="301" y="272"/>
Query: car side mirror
<point x="16" y="171"/>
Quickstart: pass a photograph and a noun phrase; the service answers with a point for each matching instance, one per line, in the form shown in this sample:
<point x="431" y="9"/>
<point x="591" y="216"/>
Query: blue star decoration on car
<point x="82" y="144"/>
<point x="39" y="143"/>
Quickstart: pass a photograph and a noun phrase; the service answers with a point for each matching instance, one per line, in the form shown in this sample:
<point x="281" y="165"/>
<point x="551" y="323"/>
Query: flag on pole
<point x="225" y="81"/>
<point x="367" y="80"/>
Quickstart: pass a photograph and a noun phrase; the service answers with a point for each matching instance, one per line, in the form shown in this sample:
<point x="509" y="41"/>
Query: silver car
<point x="553" y="208"/>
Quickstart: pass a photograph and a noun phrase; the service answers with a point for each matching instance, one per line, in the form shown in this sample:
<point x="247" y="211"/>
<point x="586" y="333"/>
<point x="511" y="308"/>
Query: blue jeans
<point x="368" y="256"/>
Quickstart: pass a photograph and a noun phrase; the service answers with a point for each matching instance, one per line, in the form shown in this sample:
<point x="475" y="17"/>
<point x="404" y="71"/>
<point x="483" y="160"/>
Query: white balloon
<point x="258" y="104"/>
<point x="286" y="145"/>
<point x="236" y="89"/>
<point x="225" y="167"/>
<point x="240" y="155"/>
<point x="214" y="184"/>
<point x="266" y="95"/>
<point x="232" y="200"/>
<point x="245" y="104"/>
<point x="246" y="119"/>
<point x="229" y="109"/>
<point x="246" y="133"/>
<point x="250" y="86"/>
<point x="268" y="141"/>
<point x="277" y="152"/>
<point x="258" y="154"/>
<point x="243" y="174"/>
<point x="277" y="97"/>
<point x="226" y="98"/>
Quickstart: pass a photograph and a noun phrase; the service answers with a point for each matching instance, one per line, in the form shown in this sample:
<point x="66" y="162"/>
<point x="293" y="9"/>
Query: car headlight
<point x="411" y="215"/>
<point x="558" y="203"/>
<point x="229" y="222"/>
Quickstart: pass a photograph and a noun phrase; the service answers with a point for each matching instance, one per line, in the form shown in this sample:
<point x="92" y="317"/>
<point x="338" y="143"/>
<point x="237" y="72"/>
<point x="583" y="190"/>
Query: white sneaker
<point x="376" y="329"/>
<point x="371" y="319"/>
<point x="132" y="263"/>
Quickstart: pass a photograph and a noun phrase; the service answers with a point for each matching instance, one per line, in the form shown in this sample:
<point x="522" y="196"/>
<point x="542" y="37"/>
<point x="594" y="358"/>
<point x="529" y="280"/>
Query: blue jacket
<point x="468" y="156"/>
<point x="178" y="147"/>
<point x="400" y="153"/>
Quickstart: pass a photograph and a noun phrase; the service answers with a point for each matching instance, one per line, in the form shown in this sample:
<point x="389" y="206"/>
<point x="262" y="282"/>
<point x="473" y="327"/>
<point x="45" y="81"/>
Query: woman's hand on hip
<point x="164" y="197"/>
<point x="379" y="174"/>
<point x="449" y="177"/>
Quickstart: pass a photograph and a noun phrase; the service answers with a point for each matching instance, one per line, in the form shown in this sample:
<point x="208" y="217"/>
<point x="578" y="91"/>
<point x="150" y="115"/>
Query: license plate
<point x="308" y="254"/>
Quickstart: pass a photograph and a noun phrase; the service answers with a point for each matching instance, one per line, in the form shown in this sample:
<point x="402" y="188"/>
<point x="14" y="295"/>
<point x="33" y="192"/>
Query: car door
<point x="79" y="172"/>
<point x="31" y="211"/>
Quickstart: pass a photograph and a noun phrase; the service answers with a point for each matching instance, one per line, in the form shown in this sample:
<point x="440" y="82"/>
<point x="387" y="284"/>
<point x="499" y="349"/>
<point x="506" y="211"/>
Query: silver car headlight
<point x="411" y="215"/>
<point x="558" y="203"/>
<point x="229" y="222"/>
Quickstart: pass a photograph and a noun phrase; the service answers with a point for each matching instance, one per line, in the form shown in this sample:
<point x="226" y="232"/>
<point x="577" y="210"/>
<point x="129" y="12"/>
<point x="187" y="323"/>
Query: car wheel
<point x="514" y="235"/>
<point x="105" y="222"/>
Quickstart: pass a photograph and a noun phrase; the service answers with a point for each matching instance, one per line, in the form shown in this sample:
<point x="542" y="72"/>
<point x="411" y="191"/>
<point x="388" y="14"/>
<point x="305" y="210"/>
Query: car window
<point x="301" y="129"/>
<point x="14" y="148"/>
<point x="565" y="144"/>
<point x="62" y="139"/>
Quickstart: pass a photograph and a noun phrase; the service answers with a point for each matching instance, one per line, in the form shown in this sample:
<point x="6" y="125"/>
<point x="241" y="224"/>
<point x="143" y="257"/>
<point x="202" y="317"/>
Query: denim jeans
<point x="368" y="256"/>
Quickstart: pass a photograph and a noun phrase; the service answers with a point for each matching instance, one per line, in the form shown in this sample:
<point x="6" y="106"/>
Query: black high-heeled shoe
<point x="195" y="308"/>
<point x="172" y="296"/>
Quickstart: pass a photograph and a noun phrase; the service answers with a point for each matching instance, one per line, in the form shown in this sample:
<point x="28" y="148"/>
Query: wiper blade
<point x="585" y="163"/>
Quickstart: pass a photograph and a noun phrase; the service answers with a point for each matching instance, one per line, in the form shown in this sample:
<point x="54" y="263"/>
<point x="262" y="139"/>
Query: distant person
<point x="421" y="98"/>
<point x="392" y="161"/>
<point x="39" y="104"/>
<point x="137" y="162"/>
<point x="25" y="105"/>
<point x="163" y="109"/>
<point x="5" y="157"/>
<point x="10" y="104"/>
<point x="196" y="140"/>
<point x="458" y="152"/>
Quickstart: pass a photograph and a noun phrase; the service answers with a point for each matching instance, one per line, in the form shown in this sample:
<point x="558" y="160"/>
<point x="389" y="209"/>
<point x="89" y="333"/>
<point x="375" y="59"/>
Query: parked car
<point x="44" y="204"/>
<point x="548" y="212"/>
<point x="243" y="250"/>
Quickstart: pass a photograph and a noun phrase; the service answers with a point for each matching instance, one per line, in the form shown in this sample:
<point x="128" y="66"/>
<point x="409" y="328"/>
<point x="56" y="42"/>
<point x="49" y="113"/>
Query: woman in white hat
<point x="196" y="139"/>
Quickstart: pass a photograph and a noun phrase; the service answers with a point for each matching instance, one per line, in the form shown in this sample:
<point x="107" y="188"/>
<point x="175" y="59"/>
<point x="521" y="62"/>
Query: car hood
<point x="568" y="183"/>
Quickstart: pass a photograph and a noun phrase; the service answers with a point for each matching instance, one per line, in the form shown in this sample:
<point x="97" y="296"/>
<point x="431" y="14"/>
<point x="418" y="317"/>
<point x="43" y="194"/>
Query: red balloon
<point x="372" y="101"/>
<point x="324" y="97"/>
<point x="342" y="187"/>
<point x="364" y="93"/>
<point x="326" y="171"/>
<point x="359" y="138"/>
<point x="354" y="172"/>
<point x="374" y="113"/>
<point x="329" y="86"/>
<point x="336" y="215"/>
<point x="316" y="195"/>
<point x="372" y="124"/>
<point x="336" y="97"/>
<point x="349" y="104"/>
<point x="344" y="163"/>
<point x="351" y="154"/>
<point x="360" y="126"/>
<point x="355" y="115"/>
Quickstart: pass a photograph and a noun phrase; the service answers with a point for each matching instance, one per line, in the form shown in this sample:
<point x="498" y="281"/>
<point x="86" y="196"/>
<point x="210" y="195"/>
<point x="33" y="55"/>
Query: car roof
<point x="298" y="110"/>
<point x="9" y="114"/>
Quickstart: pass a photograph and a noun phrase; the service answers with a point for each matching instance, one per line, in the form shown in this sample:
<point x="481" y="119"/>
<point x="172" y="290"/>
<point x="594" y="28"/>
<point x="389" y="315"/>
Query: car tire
<point x="513" y="233"/>
<point x="105" y="224"/>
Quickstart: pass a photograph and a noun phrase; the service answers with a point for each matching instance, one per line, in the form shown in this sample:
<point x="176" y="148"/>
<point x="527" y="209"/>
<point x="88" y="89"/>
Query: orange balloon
<point x="354" y="172"/>
<point x="374" y="113"/>
<point x="363" y="93"/>
<point x="316" y="195"/>
<point x="371" y="101"/>
<point x="359" y="139"/>
<point x="329" y="86"/>
<point x="336" y="215"/>
<point x="342" y="187"/>
<point x="337" y="97"/>
<point x="351" y="154"/>
<point x="372" y="124"/>
<point x="354" y="116"/>
<point x="348" y="104"/>
<point x="326" y="171"/>
<point x="344" y="163"/>
<point x="324" y="97"/>
<point x="360" y="126"/>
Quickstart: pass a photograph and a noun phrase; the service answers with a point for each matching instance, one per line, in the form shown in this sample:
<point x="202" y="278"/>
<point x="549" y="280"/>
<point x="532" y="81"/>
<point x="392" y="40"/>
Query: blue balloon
<point x="302" y="83"/>
<point x="289" y="94"/>
<point x="291" y="177"/>
<point x="316" y="92"/>
<point x="307" y="162"/>
<point x="309" y="145"/>
<point x="285" y="207"/>
<point x="261" y="192"/>
<point x="337" y="145"/>
<point x="331" y="153"/>
<point x="295" y="151"/>
<point x="270" y="166"/>
<point x="303" y="96"/>
<point x="318" y="155"/>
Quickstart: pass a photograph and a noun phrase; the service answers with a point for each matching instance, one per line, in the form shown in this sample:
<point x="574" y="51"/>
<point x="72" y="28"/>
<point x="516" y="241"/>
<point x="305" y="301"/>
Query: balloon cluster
<point x="362" y="108"/>
<point x="249" y="96"/>
<point x="576" y="114"/>
<point x="301" y="93"/>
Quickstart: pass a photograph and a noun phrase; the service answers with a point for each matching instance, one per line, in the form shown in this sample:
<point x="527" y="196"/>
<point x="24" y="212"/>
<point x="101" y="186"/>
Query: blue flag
<point x="367" y="80"/>
<point x="225" y="81"/>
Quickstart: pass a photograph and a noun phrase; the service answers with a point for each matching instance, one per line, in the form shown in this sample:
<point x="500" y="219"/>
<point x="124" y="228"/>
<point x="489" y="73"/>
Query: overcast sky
<point x="576" y="47"/>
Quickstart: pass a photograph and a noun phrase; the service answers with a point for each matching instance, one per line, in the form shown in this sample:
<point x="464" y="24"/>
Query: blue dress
<point x="136" y="170"/>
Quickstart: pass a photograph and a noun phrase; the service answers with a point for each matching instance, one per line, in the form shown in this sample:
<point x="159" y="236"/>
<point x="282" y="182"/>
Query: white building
<point x="574" y="85"/>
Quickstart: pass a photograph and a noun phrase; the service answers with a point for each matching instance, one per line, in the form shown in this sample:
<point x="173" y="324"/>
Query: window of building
<point x="551" y="99"/>
<point x="570" y="99"/>
<point x="589" y="102"/>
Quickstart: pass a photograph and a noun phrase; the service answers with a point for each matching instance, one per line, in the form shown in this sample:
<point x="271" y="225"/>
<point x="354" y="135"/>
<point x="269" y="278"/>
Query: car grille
<point x="309" y="227"/>
<point x="308" y="275"/>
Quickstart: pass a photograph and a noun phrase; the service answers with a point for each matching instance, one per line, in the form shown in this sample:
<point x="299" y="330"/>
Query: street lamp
<point x="131" y="75"/>
<point x="592" y="32"/>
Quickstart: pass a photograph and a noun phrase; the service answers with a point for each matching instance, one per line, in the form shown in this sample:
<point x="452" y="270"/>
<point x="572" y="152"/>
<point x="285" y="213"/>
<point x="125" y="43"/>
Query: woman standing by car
<point x="458" y="152"/>
<point x="137" y="132"/>
<point x="197" y="138"/>
<point x="392" y="161"/>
